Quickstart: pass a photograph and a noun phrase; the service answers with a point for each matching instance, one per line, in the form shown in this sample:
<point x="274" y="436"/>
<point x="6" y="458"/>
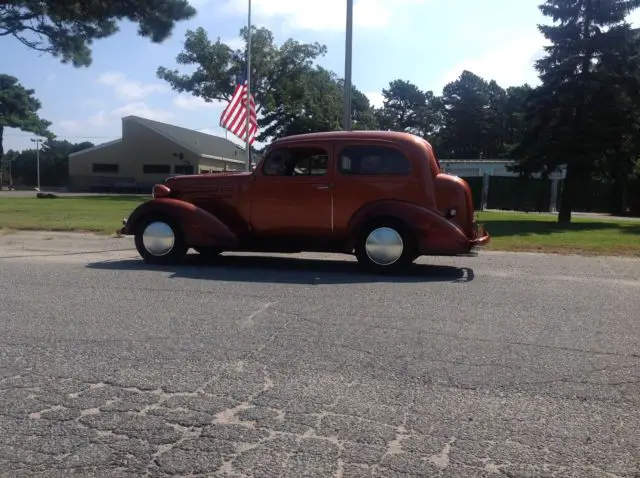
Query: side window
<point x="374" y="160"/>
<point x="296" y="162"/>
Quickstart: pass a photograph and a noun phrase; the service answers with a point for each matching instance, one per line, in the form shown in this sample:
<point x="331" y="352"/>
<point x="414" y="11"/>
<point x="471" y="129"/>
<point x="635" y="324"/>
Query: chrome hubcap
<point x="158" y="238"/>
<point x="384" y="246"/>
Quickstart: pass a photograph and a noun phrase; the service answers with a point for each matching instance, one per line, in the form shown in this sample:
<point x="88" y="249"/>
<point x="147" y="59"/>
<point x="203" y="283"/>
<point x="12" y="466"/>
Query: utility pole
<point x="37" y="140"/>
<point x="346" y="114"/>
<point x="248" y="98"/>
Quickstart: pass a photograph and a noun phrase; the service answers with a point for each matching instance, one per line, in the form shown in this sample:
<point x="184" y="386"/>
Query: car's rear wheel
<point x="385" y="246"/>
<point x="159" y="240"/>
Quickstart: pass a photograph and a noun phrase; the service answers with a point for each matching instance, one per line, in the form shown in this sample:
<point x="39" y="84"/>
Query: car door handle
<point x="322" y="186"/>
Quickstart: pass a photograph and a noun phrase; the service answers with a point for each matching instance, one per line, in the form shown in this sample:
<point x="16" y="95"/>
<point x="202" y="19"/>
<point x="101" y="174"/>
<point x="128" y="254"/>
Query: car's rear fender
<point x="199" y="227"/>
<point x="434" y="234"/>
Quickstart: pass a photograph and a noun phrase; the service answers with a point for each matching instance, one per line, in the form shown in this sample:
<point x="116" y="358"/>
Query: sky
<point x="427" y="42"/>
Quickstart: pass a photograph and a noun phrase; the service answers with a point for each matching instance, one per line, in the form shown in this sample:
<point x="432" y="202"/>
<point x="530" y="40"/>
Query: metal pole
<point x="346" y="115"/>
<point x="248" y="99"/>
<point x="38" y="160"/>
<point x="37" y="141"/>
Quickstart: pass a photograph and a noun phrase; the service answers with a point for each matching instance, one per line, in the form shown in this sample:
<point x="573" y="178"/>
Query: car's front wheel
<point x="385" y="246"/>
<point x="159" y="240"/>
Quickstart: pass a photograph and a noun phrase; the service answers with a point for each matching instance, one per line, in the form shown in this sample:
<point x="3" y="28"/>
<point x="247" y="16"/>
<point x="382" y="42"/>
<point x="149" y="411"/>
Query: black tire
<point x="177" y="251"/>
<point x="409" y="248"/>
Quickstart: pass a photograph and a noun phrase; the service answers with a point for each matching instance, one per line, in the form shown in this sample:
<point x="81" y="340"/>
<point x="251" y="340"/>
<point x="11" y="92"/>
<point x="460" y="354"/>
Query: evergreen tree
<point x="66" y="29"/>
<point x="565" y="120"/>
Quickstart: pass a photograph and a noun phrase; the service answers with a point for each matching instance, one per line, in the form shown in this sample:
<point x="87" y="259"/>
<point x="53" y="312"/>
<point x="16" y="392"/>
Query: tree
<point x="218" y="66"/>
<point x="6" y="163"/>
<point x="19" y="109"/>
<point x="313" y="102"/>
<point x="565" y="124"/>
<point x="66" y="29"/>
<point x="407" y="108"/>
<point x="474" y="118"/>
<point x="54" y="163"/>
<point x="515" y="121"/>
<point x="618" y="97"/>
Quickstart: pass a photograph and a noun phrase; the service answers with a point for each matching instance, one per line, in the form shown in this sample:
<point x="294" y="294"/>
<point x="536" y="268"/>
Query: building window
<point x="105" y="168"/>
<point x="183" y="169"/>
<point x="296" y="162"/>
<point x="375" y="160"/>
<point x="156" y="169"/>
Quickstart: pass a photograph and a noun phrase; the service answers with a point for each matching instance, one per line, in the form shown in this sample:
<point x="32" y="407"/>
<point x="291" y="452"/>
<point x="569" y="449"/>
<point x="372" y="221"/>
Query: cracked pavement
<point x="518" y="365"/>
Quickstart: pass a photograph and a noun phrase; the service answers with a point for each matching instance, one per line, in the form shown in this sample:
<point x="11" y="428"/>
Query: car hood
<point x="217" y="184"/>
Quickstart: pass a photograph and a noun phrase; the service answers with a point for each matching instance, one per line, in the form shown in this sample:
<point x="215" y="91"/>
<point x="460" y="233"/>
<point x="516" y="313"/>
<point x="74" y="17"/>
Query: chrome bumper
<point x="123" y="230"/>
<point x="482" y="237"/>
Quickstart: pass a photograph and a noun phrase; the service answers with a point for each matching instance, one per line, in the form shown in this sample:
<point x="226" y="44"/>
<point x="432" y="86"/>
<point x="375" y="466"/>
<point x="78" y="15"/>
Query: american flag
<point x="234" y="116"/>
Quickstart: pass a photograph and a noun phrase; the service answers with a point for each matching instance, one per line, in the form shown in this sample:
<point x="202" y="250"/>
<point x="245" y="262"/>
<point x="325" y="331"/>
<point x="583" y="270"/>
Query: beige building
<point x="148" y="152"/>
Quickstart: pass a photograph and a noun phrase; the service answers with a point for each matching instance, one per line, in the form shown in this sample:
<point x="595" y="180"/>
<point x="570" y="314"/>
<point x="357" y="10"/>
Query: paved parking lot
<point x="519" y="365"/>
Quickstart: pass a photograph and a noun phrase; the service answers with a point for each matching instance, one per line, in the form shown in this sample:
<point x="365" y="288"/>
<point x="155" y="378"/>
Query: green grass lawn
<point x="509" y="231"/>
<point x="541" y="232"/>
<point x="101" y="214"/>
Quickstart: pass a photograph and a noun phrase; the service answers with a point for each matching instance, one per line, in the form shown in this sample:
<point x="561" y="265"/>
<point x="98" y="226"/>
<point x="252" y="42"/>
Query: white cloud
<point x="107" y="119"/>
<point x="509" y="60"/>
<point x="189" y="102"/>
<point x="510" y="57"/>
<point x="130" y="89"/>
<point x="51" y="77"/>
<point x="375" y="98"/>
<point x="141" y="109"/>
<point x="328" y="14"/>
<point x="98" y="120"/>
<point x="235" y="43"/>
<point x="91" y="103"/>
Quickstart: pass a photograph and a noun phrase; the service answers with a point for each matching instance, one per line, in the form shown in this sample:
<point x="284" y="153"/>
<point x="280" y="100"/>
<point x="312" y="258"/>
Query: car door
<point x="367" y="172"/>
<point x="292" y="194"/>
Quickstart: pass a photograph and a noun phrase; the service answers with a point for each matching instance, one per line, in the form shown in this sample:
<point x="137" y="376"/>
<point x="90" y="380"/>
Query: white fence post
<point x="485" y="191"/>
<point x="554" y="195"/>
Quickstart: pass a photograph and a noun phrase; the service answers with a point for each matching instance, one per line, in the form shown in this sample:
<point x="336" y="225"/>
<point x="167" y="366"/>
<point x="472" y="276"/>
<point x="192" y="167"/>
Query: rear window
<point x="373" y="160"/>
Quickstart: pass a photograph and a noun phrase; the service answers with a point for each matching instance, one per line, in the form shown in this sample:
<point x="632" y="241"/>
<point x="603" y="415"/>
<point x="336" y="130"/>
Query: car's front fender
<point x="199" y="227"/>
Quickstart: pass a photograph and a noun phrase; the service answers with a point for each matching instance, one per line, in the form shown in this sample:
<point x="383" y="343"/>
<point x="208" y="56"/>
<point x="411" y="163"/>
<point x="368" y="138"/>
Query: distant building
<point x="495" y="187"/>
<point x="148" y="152"/>
<point x="482" y="167"/>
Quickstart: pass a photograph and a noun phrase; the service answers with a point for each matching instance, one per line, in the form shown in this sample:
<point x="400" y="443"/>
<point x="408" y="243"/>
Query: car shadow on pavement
<point x="287" y="270"/>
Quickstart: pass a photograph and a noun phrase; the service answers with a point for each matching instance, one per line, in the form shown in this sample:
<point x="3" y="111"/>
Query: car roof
<point x="358" y="134"/>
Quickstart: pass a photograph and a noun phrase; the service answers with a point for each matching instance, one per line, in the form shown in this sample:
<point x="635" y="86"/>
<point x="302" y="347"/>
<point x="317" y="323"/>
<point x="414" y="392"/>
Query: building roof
<point x="99" y="146"/>
<point x="201" y="144"/>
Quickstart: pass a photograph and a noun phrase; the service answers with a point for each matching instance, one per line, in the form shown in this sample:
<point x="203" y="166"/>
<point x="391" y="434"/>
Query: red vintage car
<point x="377" y="194"/>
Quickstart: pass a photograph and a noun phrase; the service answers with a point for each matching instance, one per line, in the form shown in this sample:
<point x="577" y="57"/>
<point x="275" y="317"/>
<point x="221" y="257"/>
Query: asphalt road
<point x="518" y="365"/>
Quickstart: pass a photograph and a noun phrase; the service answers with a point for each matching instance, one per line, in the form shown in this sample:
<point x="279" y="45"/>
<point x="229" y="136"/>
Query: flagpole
<point x="248" y="99"/>
<point x="348" y="47"/>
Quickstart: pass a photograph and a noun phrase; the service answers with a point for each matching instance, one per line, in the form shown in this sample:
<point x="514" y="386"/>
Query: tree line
<point x="19" y="168"/>
<point x="584" y="116"/>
